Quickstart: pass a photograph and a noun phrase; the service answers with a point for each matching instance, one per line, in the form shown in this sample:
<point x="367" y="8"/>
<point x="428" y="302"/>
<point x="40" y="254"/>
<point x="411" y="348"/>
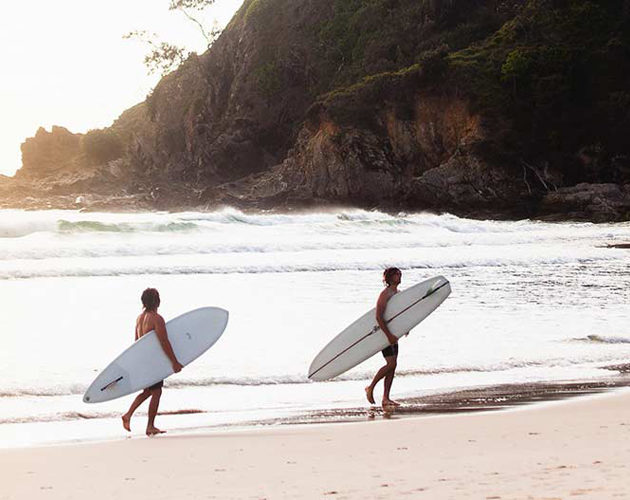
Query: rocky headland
<point x="476" y="107"/>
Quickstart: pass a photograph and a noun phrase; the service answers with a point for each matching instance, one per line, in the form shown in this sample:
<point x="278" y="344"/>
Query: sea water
<point x="531" y="301"/>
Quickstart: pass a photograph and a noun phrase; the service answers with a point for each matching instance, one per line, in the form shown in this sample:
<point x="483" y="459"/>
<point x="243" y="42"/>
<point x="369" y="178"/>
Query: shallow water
<point x="531" y="301"/>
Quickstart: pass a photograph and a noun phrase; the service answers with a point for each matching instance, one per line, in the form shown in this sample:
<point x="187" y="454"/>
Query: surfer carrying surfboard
<point x="150" y="320"/>
<point x="391" y="278"/>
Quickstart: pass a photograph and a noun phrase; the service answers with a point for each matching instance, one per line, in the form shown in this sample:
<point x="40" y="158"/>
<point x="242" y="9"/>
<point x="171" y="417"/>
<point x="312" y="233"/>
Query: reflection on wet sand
<point x="471" y="400"/>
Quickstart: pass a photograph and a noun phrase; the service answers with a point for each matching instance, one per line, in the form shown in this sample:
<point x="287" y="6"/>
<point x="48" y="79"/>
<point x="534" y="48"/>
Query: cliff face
<point x="236" y="109"/>
<point x="477" y="107"/>
<point x="418" y="150"/>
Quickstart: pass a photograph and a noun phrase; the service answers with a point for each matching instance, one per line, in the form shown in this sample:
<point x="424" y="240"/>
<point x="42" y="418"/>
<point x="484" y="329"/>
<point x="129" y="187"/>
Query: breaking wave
<point x="74" y="244"/>
<point x="84" y="415"/>
<point x="299" y="379"/>
<point x="601" y="339"/>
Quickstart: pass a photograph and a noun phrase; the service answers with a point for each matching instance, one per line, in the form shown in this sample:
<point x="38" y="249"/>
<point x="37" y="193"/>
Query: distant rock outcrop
<point x="50" y="152"/>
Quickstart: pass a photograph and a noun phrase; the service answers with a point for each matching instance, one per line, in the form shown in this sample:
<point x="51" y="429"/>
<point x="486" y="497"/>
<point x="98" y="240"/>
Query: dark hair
<point x="150" y="299"/>
<point x="389" y="273"/>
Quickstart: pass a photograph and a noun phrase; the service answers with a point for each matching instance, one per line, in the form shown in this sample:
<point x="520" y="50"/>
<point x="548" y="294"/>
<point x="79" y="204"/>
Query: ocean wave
<point x="56" y="417"/>
<point x="65" y="226"/>
<point x="17" y="229"/>
<point x="79" y="390"/>
<point x="280" y="263"/>
<point x="17" y="224"/>
<point x="601" y="339"/>
<point x="52" y="391"/>
<point x="41" y="249"/>
<point x="75" y="390"/>
<point x="300" y="379"/>
<point x="85" y="415"/>
<point x="95" y="238"/>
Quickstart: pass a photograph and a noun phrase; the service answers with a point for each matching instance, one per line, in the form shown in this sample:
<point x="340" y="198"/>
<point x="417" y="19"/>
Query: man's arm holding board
<point x="160" y="331"/>
<point x="380" y="310"/>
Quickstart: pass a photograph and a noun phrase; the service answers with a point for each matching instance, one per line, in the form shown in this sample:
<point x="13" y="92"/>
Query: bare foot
<point x="390" y="403"/>
<point x="126" y="422"/>
<point x="369" y="393"/>
<point x="152" y="431"/>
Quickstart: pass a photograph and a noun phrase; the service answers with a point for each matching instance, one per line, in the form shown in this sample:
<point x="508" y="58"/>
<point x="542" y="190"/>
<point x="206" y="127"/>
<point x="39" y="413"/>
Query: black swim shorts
<point x="390" y="350"/>
<point x="158" y="385"/>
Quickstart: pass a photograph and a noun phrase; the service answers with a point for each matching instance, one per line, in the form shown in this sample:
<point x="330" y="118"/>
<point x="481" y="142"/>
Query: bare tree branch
<point x="182" y="5"/>
<point x="535" y="170"/>
<point x="529" y="189"/>
<point x="190" y="4"/>
<point x="208" y="37"/>
<point x="164" y="57"/>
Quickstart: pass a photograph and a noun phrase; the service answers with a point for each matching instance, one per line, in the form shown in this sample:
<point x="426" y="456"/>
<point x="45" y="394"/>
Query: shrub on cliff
<point x="269" y="79"/>
<point x="366" y="37"/>
<point x="557" y="72"/>
<point x="258" y="10"/>
<point x="101" y="146"/>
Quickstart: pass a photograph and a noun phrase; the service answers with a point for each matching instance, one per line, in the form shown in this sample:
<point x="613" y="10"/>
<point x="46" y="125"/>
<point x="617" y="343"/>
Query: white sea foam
<point x="531" y="301"/>
<point x="54" y="244"/>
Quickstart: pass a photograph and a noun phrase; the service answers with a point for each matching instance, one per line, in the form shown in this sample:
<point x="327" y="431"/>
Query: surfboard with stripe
<point x="364" y="338"/>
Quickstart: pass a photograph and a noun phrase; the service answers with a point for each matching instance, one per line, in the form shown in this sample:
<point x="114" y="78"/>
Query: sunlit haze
<point x="65" y="62"/>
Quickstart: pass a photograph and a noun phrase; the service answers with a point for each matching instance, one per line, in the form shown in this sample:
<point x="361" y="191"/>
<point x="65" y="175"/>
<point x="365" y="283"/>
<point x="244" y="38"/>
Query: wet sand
<point x="561" y="449"/>
<point x="489" y="398"/>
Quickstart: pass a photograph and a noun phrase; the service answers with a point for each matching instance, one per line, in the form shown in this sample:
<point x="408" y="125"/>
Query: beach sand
<point x="577" y="448"/>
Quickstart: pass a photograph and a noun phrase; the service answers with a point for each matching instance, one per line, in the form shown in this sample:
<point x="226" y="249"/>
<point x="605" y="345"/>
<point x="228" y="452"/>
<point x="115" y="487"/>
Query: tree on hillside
<point x="164" y="57"/>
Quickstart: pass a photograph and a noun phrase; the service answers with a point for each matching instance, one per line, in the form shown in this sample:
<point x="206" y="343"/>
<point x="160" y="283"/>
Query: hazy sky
<point x="64" y="62"/>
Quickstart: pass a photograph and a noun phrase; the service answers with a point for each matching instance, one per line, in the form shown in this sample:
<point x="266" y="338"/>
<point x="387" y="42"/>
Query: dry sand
<point x="578" y="448"/>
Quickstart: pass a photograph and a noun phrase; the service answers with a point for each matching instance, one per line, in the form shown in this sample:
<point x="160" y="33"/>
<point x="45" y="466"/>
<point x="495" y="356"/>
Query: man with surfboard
<point x="396" y="313"/>
<point x="150" y="320"/>
<point x="391" y="278"/>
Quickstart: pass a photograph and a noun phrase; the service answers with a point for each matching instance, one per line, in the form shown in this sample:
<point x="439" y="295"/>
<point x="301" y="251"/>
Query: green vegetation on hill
<point x="560" y="73"/>
<point x="366" y="37"/>
<point x="102" y="145"/>
<point x="550" y="77"/>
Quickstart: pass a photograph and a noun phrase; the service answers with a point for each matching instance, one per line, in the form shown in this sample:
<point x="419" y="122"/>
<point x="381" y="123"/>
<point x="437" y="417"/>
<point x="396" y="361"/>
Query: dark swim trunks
<point x="390" y="350"/>
<point x="159" y="385"/>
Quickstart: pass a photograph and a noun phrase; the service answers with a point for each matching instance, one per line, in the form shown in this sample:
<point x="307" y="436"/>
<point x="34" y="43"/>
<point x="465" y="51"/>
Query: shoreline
<point x="129" y="205"/>
<point x="565" y="448"/>
<point x="476" y="399"/>
<point x="464" y="401"/>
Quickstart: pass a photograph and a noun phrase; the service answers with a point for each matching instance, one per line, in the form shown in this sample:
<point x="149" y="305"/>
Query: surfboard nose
<point x="438" y="283"/>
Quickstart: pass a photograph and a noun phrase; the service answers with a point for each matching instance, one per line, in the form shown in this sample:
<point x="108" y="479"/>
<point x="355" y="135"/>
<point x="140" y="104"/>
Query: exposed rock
<point x="597" y="202"/>
<point x="49" y="152"/>
<point x="218" y="117"/>
<point x="425" y="159"/>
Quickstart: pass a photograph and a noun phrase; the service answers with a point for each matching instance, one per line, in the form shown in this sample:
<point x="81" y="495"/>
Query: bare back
<point x="387" y="294"/>
<point x="383" y="299"/>
<point x="146" y="322"/>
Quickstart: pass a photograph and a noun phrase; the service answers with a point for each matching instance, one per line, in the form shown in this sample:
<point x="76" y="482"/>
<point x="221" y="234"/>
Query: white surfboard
<point x="364" y="338"/>
<point x="145" y="363"/>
